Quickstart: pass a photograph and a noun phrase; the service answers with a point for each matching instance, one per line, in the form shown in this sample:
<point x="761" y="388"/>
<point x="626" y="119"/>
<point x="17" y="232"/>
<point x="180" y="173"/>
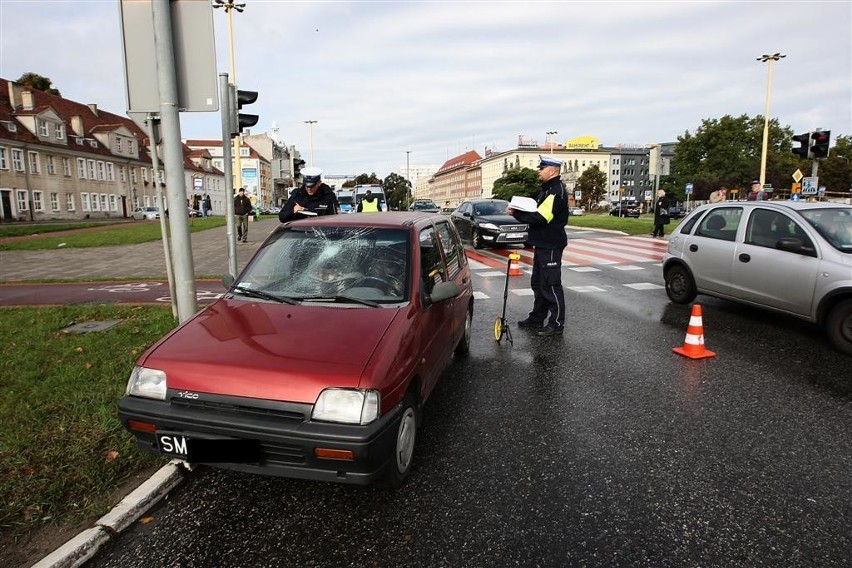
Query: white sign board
<point x="810" y="185"/>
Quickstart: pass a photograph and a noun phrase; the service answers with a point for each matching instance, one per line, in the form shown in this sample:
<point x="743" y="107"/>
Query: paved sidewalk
<point x="145" y="260"/>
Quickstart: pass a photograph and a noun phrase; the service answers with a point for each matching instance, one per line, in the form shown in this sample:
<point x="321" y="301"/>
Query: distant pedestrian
<point x="757" y="193"/>
<point x="206" y="205"/>
<point x="368" y="204"/>
<point x="242" y="210"/>
<point x="661" y="214"/>
<point x="547" y="235"/>
<point x="719" y="195"/>
<point x="314" y="198"/>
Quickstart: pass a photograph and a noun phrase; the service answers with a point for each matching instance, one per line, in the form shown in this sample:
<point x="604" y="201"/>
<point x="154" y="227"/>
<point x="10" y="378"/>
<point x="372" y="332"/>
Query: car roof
<point x="383" y="220"/>
<point x="780" y="204"/>
<point x="485" y="199"/>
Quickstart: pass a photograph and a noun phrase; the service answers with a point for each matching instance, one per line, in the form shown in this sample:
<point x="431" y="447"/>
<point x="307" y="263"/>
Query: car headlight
<point x="148" y="383"/>
<point x="489" y="226"/>
<point x="348" y="406"/>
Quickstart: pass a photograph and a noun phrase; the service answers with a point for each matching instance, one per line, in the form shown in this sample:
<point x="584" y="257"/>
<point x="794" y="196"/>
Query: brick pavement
<point x="145" y="260"/>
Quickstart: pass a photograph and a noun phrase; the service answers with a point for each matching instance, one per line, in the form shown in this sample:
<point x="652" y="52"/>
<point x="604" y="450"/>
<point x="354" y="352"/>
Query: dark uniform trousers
<point x="546" y="284"/>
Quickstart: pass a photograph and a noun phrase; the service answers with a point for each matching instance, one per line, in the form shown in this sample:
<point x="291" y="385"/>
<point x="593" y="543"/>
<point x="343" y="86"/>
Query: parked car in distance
<point x="424" y="205"/>
<point x="145" y="213"/>
<point x="786" y="256"/>
<point x="193" y="212"/>
<point x="484" y="222"/>
<point x="576" y="211"/>
<point x="625" y="210"/>
<point x="318" y="360"/>
<point x="677" y="212"/>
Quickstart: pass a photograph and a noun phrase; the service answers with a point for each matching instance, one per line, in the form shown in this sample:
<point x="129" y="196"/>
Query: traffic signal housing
<point x="820" y="141"/>
<point x="241" y="120"/>
<point x="298" y="164"/>
<point x="804" y="151"/>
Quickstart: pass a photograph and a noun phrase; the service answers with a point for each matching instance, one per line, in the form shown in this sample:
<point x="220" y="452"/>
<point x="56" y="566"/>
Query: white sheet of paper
<point x="523" y="204"/>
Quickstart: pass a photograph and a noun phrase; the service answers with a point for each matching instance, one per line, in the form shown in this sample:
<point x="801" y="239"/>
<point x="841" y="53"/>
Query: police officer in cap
<point x="314" y="198"/>
<point x="547" y="235"/>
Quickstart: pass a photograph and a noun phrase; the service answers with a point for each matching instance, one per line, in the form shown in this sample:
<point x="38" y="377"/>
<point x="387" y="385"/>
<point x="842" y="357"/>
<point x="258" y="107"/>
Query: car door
<point x="709" y="252"/>
<point x="458" y="272"/>
<point x="434" y="319"/>
<point x="463" y="220"/>
<point x="769" y="276"/>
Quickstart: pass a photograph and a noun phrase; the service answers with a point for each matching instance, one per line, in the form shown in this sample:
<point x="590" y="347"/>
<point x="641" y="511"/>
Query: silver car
<point x="787" y="256"/>
<point x="146" y="213"/>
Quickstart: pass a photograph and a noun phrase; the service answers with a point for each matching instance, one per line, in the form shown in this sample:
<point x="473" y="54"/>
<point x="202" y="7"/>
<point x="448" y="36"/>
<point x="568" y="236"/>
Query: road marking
<point x="645" y="286"/>
<point x="586" y="289"/>
<point x="629" y="267"/>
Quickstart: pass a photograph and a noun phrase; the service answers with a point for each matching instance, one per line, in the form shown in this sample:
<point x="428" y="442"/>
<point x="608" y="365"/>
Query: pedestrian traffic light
<point x="820" y="141"/>
<point x="804" y="150"/>
<point x="242" y="120"/>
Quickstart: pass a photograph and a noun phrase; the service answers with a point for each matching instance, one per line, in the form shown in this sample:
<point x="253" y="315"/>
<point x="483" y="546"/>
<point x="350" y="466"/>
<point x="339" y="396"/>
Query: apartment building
<point x="459" y="178"/>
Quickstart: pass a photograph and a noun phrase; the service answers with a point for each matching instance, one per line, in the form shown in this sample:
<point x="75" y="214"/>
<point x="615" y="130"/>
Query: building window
<point x="50" y="168"/>
<point x="22" y="200"/>
<point x="17" y="160"/>
<point x="113" y="203"/>
<point x="69" y="201"/>
<point x="122" y="173"/>
<point x="81" y="168"/>
<point x="66" y="166"/>
<point x="118" y="144"/>
<point x="104" y="202"/>
<point x="90" y="170"/>
<point x="54" y="202"/>
<point x="94" y="202"/>
<point x="42" y="129"/>
<point x="60" y="132"/>
<point x="4" y="159"/>
<point x="84" y="199"/>
<point x="147" y="201"/>
<point x="101" y="171"/>
<point x="144" y="174"/>
<point x="38" y="205"/>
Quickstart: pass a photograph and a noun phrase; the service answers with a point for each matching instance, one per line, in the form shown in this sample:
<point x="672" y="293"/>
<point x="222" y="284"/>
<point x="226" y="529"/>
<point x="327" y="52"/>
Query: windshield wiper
<point x="340" y="298"/>
<point x="264" y="295"/>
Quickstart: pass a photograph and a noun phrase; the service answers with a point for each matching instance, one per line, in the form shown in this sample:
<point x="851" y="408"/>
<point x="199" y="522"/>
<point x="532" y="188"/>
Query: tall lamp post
<point x="230" y="6"/>
<point x="310" y="124"/>
<point x="765" y="58"/>
<point x="408" y="175"/>
<point x="550" y="136"/>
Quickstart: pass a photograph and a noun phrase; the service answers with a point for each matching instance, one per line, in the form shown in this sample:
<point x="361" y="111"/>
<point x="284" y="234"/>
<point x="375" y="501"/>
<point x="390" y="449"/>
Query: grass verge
<point x="644" y="225"/>
<point x="63" y="450"/>
<point x="112" y="235"/>
<point x="41" y="228"/>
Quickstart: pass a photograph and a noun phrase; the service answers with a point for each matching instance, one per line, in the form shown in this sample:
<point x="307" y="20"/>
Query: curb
<point x="85" y="545"/>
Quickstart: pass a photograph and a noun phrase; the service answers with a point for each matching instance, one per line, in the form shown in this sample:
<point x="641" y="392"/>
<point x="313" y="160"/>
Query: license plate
<point x="515" y="235"/>
<point x="208" y="450"/>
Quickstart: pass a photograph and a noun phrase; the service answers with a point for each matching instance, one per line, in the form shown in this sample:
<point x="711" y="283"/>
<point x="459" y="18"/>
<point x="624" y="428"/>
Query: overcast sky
<point x="440" y="78"/>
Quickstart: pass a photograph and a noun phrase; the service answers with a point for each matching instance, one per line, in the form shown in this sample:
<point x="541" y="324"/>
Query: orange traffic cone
<point x="514" y="268"/>
<point x="693" y="345"/>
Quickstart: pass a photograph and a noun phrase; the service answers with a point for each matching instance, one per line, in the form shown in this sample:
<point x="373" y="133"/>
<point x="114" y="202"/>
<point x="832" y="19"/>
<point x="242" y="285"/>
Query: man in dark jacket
<point x="547" y="235"/>
<point x="314" y="198"/>
<point x="242" y="209"/>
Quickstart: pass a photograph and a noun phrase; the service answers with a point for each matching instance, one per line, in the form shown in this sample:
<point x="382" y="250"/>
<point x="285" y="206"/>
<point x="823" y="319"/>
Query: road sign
<point x="809" y="185"/>
<point x="688" y="188"/>
<point x="647" y="195"/>
<point x="797" y="176"/>
<point x="578" y="194"/>
<point x="797" y="188"/>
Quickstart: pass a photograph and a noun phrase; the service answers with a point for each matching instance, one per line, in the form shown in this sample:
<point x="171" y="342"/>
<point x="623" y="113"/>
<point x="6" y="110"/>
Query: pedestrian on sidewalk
<point x="661" y="214"/>
<point x="242" y="210"/>
<point x="314" y="198"/>
<point x="547" y="235"/>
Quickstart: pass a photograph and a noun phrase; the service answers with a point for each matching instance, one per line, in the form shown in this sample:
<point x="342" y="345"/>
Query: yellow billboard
<point x="583" y="143"/>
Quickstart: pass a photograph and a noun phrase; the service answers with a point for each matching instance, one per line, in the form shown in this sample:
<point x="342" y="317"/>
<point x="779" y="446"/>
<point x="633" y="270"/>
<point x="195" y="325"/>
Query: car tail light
<point x="142" y="426"/>
<point x="333" y="454"/>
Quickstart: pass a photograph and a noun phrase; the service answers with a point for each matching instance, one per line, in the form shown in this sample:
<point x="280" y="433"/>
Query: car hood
<point x="270" y="351"/>
<point x="498" y="219"/>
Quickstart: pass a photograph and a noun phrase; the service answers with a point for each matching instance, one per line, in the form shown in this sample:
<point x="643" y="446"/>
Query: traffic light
<point x="240" y="120"/>
<point x="805" y="140"/>
<point x="298" y="164"/>
<point x="820" y="141"/>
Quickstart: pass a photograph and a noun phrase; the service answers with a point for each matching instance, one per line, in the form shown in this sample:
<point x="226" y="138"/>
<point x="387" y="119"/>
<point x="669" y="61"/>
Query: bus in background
<point x="346" y="199"/>
<point x="376" y="190"/>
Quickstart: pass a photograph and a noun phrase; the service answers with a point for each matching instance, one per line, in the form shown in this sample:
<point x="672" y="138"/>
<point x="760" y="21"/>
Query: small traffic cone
<point x="514" y="268"/>
<point x="693" y="345"/>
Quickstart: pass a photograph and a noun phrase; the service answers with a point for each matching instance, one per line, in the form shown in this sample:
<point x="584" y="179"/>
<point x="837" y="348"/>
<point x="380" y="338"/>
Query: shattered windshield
<point x="334" y="264"/>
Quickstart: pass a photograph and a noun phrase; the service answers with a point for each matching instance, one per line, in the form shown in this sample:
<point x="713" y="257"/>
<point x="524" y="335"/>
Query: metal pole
<point x="310" y="124"/>
<point x="768" y="59"/>
<point x="155" y="162"/>
<point x="173" y="161"/>
<point x="238" y="139"/>
<point x="408" y="174"/>
<point x="225" y="106"/>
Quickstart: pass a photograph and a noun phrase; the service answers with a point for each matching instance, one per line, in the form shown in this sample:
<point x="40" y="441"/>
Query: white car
<point x="575" y="211"/>
<point x="787" y="256"/>
<point x="146" y="213"/>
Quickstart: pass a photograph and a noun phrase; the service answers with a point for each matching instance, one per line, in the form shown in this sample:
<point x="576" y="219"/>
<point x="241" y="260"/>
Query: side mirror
<point x="228" y="281"/>
<point x="443" y="291"/>
<point x="466" y="213"/>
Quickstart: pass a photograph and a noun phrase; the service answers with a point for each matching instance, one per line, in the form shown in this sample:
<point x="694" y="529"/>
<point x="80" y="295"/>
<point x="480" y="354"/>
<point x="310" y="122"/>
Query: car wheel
<point x="403" y="448"/>
<point x="838" y="326"/>
<point x="463" y="347"/>
<point x="476" y="238"/>
<point x="680" y="286"/>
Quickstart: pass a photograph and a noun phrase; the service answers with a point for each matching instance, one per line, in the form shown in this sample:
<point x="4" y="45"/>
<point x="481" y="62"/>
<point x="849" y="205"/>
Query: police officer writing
<point x="314" y="198"/>
<point x="369" y="204"/>
<point x="547" y="235"/>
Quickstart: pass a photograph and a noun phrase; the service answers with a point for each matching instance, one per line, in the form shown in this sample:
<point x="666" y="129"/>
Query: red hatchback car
<point x="318" y="360"/>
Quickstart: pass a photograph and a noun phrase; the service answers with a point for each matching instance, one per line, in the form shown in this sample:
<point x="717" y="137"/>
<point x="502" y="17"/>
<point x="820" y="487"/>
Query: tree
<point x="523" y="182"/>
<point x="397" y="191"/>
<point x="592" y="183"/>
<point x="835" y="172"/>
<point x="726" y="152"/>
<point x="39" y="83"/>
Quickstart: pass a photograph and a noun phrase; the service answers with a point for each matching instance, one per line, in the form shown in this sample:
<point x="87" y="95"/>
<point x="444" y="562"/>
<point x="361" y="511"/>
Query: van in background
<point x="346" y="199"/>
<point x="376" y="190"/>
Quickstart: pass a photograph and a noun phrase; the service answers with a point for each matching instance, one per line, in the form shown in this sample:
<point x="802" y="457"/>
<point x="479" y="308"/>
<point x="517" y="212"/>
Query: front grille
<point x="291" y="416"/>
<point x="273" y="452"/>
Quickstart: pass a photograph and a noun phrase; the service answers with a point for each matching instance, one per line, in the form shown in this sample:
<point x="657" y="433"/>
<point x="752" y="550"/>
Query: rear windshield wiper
<point x="336" y="299"/>
<point x="264" y="295"/>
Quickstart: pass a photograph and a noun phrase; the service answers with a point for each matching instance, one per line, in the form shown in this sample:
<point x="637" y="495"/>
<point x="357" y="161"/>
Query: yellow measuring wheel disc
<point x="498" y="329"/>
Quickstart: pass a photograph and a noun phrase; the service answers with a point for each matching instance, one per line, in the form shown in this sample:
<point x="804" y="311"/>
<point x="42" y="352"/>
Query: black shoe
<point x="550" y="330"/>
<point x="528" y="323"/>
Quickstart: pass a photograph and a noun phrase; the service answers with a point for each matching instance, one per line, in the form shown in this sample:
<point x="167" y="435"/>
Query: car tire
<point x="838" y="326"/>
<point x="403" y="445"/>
<point x="463" y="346"/>
<point x="476" y="238"/>
<point x="680" y="285"/>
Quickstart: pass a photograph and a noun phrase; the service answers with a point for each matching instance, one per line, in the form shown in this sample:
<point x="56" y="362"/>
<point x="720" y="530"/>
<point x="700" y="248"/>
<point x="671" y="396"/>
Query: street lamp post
<point x="408" y="174"/>
<point x="229" y="6"/>
<point x="765" y="58"/>
<point x="550" y="135"/>
<point x="310" y="124"/>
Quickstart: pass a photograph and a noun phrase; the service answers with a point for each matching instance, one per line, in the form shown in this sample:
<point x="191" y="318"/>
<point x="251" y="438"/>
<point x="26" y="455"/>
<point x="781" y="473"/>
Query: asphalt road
<point x="597" y="448"/>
